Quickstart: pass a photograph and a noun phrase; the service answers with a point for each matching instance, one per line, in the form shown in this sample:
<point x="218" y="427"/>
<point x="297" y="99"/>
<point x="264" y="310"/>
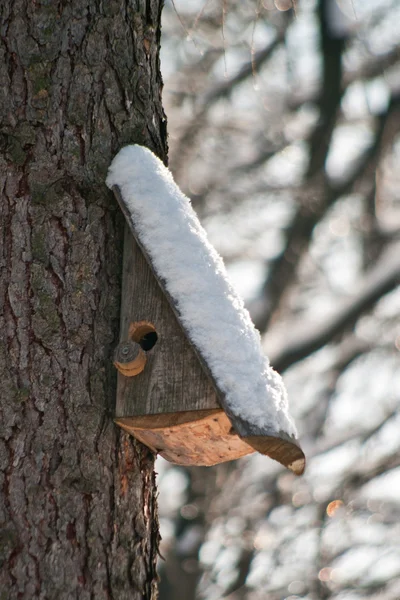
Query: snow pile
<point x="211" y="311"/>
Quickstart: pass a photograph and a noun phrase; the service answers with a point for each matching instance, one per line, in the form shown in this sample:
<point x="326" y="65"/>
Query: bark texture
<point x="78" y="80"/>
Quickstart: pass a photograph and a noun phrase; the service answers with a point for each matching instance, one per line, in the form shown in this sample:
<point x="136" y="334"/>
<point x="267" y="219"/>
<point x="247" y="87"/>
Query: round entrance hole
<point x="144" y="333"/>
<point x="148" y="340"/>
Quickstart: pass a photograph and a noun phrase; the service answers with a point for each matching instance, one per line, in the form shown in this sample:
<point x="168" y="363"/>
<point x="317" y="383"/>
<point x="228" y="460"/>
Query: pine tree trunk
<point x="78" y="79"/>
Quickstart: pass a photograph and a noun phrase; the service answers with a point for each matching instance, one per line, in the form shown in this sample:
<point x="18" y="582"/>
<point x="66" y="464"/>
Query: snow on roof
<point x="211" y="312"/>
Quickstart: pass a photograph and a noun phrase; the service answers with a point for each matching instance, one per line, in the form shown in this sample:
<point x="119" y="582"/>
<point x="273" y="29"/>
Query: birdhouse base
<point x="190" y="438"/>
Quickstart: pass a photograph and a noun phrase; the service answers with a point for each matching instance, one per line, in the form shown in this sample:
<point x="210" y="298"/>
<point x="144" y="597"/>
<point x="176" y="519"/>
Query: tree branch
<point x="307" y="338"/>
<point x="315" y="200"/>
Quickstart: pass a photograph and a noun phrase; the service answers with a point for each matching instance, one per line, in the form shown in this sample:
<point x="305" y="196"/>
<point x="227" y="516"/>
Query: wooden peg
<point x="129" y="358"/>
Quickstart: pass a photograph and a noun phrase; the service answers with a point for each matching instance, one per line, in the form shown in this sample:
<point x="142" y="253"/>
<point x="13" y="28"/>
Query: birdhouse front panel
<point x="173" y="379"/>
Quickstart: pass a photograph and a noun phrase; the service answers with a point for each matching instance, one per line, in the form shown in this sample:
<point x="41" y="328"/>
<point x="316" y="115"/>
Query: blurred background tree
<point x="284" y="130"/>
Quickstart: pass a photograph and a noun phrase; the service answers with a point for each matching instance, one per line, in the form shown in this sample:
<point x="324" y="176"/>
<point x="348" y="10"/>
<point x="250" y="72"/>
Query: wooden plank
<point x="201" y="438"/>
<point x="173" y="379"/>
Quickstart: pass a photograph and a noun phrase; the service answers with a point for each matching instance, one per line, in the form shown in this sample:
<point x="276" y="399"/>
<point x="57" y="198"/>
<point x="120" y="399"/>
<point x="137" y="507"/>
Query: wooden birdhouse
<point x="193" y="383"/>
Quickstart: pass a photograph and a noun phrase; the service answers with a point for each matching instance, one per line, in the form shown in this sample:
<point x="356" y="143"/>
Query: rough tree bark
<point x="78" y="80"/>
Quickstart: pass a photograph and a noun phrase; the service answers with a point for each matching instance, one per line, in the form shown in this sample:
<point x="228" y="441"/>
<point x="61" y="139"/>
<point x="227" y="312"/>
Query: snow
<point x="210" y="309"/>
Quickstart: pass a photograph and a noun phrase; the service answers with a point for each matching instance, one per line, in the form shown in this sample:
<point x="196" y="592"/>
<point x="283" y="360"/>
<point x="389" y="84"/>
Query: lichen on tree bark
<point x="77" y="506"/>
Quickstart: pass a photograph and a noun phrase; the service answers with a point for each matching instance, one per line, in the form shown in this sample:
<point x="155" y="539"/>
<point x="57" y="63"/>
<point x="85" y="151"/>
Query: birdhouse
<point x="193" y="382"/>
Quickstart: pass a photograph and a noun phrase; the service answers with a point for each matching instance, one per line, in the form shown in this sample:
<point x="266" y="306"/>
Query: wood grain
<point x="173" y="379"/>
<point x="200" y="438"/>
<point x="282" y="450"/>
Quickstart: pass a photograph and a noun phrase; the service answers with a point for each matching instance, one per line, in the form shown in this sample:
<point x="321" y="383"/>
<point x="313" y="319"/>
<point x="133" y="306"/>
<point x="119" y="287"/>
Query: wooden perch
<point x="129" y="358"/>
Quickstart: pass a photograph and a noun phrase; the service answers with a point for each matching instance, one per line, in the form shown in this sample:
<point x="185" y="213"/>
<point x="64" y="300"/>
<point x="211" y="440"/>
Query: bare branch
<point x="315" y="200"/>
<point x="225" y="88"/>
<point x="307" y="338"/>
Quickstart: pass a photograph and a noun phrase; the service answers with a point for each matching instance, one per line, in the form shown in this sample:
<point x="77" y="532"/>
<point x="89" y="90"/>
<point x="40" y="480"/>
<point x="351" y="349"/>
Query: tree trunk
<point x="78" y="80"/>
